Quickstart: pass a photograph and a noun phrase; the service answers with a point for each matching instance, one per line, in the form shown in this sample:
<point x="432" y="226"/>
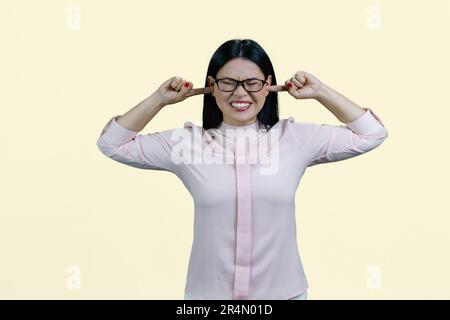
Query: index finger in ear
<point x="276" y="88"/>
<point x="197" y="91"/>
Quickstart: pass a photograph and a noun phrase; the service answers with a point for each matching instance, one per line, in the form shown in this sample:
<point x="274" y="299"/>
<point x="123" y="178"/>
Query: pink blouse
<point x="243" y="181"/>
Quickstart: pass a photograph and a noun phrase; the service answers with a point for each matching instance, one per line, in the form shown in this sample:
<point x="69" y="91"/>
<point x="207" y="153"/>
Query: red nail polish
<point x="186" y="84"/>
<point x="289" y="85"/>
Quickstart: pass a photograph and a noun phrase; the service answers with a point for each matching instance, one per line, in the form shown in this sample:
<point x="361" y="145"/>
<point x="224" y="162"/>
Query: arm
<point x="363" y="130"/>
<point x="138" y="117"/>
<point x="343" y="108"/>
<point x="121" y="142"/>
<point x="330" y="143"/>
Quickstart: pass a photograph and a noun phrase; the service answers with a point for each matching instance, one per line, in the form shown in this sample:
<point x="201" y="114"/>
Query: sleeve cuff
<point x="115" y="134"/>
<point x="367" y="124"/>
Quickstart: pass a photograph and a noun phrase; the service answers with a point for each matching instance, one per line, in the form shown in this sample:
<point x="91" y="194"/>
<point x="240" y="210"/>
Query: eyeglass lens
<point x="249" y="85"/>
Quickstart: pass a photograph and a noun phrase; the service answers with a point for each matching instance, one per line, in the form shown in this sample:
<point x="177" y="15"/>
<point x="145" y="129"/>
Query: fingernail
<point x="186" y="84"/>
<point x="289" y="85"/>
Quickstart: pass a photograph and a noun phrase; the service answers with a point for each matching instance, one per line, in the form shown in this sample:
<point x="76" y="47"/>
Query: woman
<point x="245" y="243"/>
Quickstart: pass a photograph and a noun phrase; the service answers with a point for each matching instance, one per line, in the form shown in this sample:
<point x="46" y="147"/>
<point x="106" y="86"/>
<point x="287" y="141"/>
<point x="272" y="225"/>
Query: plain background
<point x="77" y="225"/>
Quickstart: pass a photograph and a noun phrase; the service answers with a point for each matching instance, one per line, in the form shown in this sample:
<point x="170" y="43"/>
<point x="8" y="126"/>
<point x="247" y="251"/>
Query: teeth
<point x="239" y="105"/>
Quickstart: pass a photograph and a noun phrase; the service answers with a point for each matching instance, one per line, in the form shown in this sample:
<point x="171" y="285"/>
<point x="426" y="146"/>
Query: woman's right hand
<point x="174" y="90"/>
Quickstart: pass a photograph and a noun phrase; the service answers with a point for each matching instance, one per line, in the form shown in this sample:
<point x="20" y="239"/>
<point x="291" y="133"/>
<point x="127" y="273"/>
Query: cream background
<point x="371" y="227"/>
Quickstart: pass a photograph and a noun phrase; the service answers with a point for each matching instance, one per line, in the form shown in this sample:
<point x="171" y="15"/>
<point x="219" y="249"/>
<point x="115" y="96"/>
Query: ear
<point x="211" y="83"/>
<point x="268" y="84"/>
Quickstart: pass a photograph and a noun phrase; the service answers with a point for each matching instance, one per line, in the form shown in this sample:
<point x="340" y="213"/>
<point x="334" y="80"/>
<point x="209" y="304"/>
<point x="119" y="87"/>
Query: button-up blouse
<point x="243" y="181"/>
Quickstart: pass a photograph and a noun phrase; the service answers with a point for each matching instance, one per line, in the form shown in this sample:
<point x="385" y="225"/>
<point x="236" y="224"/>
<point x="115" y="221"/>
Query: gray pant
<point x="303" y="296"/>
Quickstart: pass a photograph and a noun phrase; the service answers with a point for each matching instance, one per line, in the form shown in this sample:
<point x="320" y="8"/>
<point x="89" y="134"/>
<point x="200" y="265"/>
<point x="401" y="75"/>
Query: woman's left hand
<point x="303" y="85"/>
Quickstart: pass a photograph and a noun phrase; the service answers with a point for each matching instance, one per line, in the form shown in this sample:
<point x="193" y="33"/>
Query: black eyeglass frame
<point x="238" y="83"/>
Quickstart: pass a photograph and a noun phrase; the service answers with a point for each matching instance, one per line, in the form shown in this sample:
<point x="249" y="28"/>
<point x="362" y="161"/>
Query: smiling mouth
<point x="240" y="107"/>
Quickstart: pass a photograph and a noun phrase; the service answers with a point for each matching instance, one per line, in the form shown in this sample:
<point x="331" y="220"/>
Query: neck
<point x="225" y="125"/>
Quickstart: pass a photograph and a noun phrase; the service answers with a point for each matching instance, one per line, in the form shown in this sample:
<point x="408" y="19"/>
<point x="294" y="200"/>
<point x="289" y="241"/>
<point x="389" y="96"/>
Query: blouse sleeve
<point x="150" y="151"/>
<point x="328" y="143"/>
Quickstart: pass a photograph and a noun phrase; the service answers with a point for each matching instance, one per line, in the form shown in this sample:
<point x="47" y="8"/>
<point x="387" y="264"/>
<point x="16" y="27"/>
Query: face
<point x="240" y="69"/>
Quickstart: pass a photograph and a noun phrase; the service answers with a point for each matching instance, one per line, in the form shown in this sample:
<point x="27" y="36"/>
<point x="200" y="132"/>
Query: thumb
<point x="186" y="88"/>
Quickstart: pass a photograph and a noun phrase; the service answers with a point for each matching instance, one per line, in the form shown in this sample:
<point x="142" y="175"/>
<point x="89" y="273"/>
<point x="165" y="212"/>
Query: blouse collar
<point x="225" y="126"/>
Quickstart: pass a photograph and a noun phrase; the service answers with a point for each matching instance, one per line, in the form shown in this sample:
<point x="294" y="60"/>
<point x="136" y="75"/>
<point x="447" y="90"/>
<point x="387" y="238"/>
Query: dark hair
<point x="247" y="49"/>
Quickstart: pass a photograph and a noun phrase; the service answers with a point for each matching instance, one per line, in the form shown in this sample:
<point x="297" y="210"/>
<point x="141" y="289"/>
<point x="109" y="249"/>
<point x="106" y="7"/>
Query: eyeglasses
<point x="250" y="85"/>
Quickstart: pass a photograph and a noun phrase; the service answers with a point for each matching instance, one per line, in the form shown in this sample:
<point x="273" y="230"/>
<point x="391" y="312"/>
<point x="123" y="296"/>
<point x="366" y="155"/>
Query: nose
<point x="240" y="90"/>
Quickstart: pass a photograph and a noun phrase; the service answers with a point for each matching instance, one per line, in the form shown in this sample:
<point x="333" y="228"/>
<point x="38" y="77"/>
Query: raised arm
<point x="120" y="140"/>
<point x="328" y="143"/>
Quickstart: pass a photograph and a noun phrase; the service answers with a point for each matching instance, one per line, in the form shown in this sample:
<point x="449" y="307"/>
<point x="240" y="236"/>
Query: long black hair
<point x="247" y="49"/>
